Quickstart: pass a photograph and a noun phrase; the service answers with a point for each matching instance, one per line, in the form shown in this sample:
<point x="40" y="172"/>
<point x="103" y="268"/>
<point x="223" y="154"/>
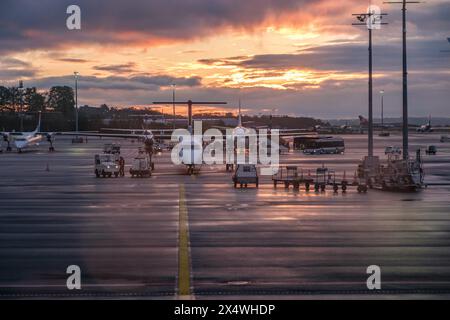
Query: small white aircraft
<point x="24" y="140"/>
<point x="426" y="128"/>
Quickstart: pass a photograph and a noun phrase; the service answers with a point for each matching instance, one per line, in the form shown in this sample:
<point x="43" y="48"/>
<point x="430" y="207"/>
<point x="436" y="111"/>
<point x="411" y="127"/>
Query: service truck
<point x="106" y="165"/>
<point x="141" y="167"/>
<point x="245" y="174"/>
<point x="111" y="148"/>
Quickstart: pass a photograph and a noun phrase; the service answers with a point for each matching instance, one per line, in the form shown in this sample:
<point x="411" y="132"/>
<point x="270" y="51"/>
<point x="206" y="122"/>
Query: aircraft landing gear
<point x="191" y="170"/>
<point x="51" y="148"/>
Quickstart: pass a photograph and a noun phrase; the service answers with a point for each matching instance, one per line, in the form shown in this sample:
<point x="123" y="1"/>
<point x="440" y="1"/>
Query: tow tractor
<point x="141" y="167"/>
<point x="106" y="166"/>
<point x="245" y="174"/>
<point x="396" y="174"/>
<point x="431" y="151"/>
<point x="111" y="148"/>
<point x="77" y="140"/>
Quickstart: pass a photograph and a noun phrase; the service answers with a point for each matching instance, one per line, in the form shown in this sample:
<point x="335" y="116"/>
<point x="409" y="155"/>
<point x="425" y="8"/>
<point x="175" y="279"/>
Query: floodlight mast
<point x="189" y="103"/>
<point x="370" y="20"/>
<point x="405" y="77"/>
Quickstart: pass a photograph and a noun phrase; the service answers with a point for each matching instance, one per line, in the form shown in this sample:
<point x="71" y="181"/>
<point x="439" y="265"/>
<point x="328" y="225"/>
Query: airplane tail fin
<point x="363" y="121"/>
<point x="38" y="128"/>
<point x="240" y="114"/>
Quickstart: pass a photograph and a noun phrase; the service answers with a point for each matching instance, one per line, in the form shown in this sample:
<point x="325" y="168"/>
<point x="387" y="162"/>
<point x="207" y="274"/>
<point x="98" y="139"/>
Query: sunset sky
<point x="298" y="57"/>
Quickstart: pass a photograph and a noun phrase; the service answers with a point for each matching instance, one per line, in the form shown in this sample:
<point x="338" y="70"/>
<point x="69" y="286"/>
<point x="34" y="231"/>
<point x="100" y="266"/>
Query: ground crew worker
<point x="122" y="167"/>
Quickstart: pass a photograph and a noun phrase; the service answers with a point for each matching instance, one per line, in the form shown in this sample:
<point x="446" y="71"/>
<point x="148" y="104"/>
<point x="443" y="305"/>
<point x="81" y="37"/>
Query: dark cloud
<point x="117" y="68"/>
<point x="351" y="57"/>
<point x="9" y="62"/>
<point x="28" y="24"/>
<point x="144" y="82"/>
<point x="430" y="19"/>
<point x="73" y="60"/>
<point x="15" y="74"/>
<point x="224" y="62"/>
<point x="12" y="68"/>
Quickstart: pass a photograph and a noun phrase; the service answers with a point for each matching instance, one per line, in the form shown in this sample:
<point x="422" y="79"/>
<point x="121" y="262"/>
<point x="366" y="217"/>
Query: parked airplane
<point x="146" y="136"/>
<point x="364" y="123"/>
<point x="24" y="140"/>
<point x="426" y="128"/>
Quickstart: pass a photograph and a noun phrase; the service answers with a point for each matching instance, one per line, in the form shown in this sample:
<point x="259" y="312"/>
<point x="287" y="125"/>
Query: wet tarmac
<point x="266" y="242"/>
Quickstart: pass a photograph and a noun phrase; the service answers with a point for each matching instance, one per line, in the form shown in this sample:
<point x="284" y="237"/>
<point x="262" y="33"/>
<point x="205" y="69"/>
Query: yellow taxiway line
<point x="184" y="263"/>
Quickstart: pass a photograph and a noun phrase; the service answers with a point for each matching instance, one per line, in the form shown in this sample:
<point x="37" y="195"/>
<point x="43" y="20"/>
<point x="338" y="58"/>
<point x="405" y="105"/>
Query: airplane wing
<point x="114" y="135"/>
<point x="222" y="128"/>
<point x="266" y="127"/>
<point x="100" y="135"/>
<point x="134" y="130"/>
<point x="48" y="133"/>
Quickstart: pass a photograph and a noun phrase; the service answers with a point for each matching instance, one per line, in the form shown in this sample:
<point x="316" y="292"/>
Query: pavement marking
<point x="184" y="265"/>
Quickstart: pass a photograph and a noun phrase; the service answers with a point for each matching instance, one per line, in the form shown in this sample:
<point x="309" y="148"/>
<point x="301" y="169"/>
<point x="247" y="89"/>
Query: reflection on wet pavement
<point x="123" y="233"/>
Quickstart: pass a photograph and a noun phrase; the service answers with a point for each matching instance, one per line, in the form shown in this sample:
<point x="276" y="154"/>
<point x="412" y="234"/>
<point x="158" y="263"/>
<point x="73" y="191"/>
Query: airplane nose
<point x="19" y="144"/>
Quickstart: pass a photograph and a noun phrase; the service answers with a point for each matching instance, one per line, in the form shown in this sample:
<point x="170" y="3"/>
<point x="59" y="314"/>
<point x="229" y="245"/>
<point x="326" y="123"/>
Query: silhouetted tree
<point x="34" y="100"/>
<point x="61" y="99"/>
<point x="104" y="108"/>
<point x="4" y="98"/>
<point x="10" y="98"/>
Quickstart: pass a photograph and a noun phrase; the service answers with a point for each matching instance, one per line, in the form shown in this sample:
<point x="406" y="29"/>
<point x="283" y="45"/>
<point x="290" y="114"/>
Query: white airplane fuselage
<point x="23" y="140"/>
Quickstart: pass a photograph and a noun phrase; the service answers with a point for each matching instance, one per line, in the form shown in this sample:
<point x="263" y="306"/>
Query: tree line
<point x="20" y="106"/>
<point x="58" y="99"/>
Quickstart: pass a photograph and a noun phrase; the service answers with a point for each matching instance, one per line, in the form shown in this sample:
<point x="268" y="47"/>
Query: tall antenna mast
<point x="240" y="110"/>
<point x="371" y="19"/>
<point x="405" y="77"/>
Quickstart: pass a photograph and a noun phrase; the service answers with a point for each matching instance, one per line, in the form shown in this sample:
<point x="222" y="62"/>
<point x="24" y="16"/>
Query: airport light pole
<point x="174" y="86"/>
<point x="76" y="74"/>
<point x="371" y="20"/>
<point x="382" y="110"/>
<point x="405" y="77"/>
<point x="20" y="88"/>
<point x="274" y="111"/>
